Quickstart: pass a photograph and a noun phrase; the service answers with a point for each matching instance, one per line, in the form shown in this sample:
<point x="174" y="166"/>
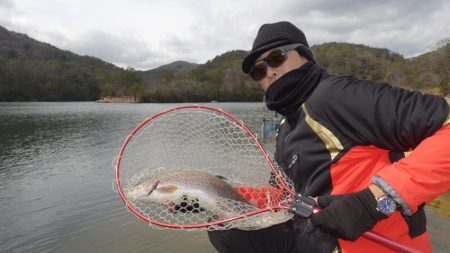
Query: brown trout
<point x="187" y="191"/>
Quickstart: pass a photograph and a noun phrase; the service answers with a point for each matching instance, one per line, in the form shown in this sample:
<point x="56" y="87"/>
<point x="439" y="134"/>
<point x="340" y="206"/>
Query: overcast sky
<point x="145" y="34"/>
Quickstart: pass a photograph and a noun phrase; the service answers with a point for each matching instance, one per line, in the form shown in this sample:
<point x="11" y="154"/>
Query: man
<point x="344" y="140"/>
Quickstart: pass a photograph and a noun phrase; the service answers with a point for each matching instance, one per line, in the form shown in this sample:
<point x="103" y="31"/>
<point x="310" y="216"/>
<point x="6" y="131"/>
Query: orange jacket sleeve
<point x="425" y="173"/>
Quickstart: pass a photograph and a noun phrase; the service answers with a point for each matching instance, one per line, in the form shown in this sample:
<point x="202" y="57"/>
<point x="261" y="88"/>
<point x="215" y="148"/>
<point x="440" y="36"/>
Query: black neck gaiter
<point x="287" y="93"/>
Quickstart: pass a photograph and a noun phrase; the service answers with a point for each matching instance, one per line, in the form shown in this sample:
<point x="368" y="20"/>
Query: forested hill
<point x="35" y="71"/>
<point x="428" y="73"/>
<point x="222" y="79"/>
<point x="31" y="70"/>
<point x="20" y="46"/>
<point x="219" y="79"/>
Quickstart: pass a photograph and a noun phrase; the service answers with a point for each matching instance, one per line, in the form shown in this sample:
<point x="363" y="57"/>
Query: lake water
<point x="57" y="173"/>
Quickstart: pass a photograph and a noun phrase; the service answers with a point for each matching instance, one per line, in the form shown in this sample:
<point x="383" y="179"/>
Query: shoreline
<point x="123" y="99"/>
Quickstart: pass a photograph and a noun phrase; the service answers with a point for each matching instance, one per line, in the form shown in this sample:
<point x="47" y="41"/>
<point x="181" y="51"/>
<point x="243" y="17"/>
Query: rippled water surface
<point x="56" y="181"/>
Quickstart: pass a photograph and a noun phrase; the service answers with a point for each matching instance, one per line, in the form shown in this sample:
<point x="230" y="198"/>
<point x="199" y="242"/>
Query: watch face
<point x="386" y="205"/>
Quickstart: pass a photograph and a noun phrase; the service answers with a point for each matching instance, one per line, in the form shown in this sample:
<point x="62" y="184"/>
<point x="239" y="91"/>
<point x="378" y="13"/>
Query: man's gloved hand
<point x="349" y="215"/>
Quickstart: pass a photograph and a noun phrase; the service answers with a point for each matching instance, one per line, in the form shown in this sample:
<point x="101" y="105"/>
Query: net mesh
<point x="195" y="166"/>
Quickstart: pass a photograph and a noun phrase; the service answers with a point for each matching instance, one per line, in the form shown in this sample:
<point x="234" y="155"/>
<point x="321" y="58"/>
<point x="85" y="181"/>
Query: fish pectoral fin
<point x="168" y="188"/>
<point x="221" y="177"/>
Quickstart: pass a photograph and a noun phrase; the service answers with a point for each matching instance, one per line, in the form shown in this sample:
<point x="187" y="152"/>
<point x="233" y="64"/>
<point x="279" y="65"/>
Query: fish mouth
<point x="153" y="187"/>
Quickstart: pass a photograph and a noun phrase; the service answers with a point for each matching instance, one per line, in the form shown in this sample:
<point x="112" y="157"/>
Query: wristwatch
<point x="386" y="205"/>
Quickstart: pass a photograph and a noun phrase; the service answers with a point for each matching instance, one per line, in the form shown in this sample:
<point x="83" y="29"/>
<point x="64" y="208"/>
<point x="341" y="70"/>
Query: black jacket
<point x="342" y="113"/>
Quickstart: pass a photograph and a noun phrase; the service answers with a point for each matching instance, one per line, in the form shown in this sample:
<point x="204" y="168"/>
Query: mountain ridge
<point x="31" y="70"/>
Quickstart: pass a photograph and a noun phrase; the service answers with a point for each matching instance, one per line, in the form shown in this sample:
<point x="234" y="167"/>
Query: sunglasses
<point x="275" y="59"/>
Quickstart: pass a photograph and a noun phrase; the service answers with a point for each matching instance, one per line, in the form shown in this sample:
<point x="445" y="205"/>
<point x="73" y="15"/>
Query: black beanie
<point x="276" y="35"/>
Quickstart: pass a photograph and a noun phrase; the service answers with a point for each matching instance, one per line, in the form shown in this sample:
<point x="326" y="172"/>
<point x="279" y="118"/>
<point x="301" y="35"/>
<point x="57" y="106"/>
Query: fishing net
<point x="197" y="167"/>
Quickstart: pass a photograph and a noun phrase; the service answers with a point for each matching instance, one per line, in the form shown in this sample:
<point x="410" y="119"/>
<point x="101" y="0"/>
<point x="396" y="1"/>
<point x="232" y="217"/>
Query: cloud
<point x="125" y="50"/>
<point x="407" y="27"/>
<point x="6" y="4"/>
<point x="147" y="34"/>
<point x="7" y="10"/>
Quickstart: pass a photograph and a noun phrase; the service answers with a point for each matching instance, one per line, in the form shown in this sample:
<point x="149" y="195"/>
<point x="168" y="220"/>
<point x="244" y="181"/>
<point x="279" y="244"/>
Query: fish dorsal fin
<point x="168" y="188"/>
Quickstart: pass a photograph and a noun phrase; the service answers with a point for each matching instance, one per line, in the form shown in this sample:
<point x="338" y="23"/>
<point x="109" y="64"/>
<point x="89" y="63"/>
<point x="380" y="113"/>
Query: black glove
<point x="349" y="215"/>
